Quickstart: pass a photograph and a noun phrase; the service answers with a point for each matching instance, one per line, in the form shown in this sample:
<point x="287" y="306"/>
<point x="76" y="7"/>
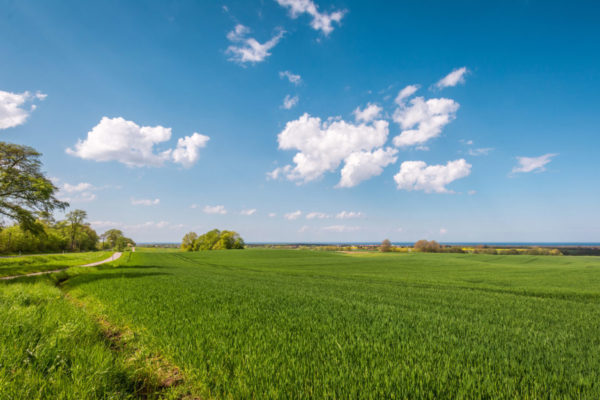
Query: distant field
<point x="35" y="263"/>
<point x="306" y="324"/>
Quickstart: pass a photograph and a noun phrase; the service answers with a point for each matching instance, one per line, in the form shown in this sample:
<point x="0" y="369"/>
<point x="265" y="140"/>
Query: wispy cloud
<point x="145" y="202"/>
<point x="293" y="215"/>
<point x="289" y="102"/>
<point x="453" y="78"/>
<point x="248" y="212"/>
<point x="293" y="78"/>
<point x="533" y="164"/>
<point x="320" y="20"/>
<point x="220" y="209"/>
<point x="247" y="49"/>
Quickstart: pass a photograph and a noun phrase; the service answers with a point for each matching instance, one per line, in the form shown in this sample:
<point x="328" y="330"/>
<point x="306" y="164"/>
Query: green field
<point x="19" y="265"/>
<point x="307" y="324"/>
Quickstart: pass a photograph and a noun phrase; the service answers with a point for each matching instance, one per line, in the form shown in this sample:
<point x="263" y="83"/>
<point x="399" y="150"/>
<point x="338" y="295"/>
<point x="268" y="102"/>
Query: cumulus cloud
<point x="422" y="120"/>
<point x="340" y="228"/>
<point x="220" y="209"/>
<point x="417" y="175"/>
<point x="316" y="215"/>
<point x="320" y="21"/>
<point x="116" y="139"/>
<point x="188" y="148"/>
<point x="406" y="93"/>
<point x="144" y="202"/>
<point x="362" y="165"/>
<point x="368" y="114"/>
<point x="533" y="164"/>
<point x="289" y="102"/>
<point x="293" y="78"/>
<point x="453" y="78"/>
<point x="348" y="214"/>
<point x="293" y="215"/>
<point x="15" y="108"/>
<point x="248" y="212"/>
<point x="324" y="145"/>
<point x="247" y="49"/>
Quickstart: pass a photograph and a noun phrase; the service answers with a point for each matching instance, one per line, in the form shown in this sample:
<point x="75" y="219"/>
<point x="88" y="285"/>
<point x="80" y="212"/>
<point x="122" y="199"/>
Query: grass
<point x="20" y="265"/>
<point x="305" y="324"/>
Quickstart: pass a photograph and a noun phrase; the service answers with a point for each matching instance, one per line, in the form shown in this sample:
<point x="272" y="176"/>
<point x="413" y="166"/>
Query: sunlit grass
<point x="26" y="264"/>
<point x="273" y="324"/>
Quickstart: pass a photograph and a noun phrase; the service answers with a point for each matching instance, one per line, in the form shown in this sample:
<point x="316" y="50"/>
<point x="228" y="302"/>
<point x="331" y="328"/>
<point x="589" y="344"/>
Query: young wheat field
<point x="308" y="324"/>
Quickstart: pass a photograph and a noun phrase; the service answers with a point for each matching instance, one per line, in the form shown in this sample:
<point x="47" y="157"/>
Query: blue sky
<point x="170" y="116"/>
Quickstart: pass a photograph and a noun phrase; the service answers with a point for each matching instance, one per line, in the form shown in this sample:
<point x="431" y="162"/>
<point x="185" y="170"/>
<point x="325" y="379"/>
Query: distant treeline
<point x="70" y="234"/>
<point x="435" y="247"/>
<point x="212" y="240"/>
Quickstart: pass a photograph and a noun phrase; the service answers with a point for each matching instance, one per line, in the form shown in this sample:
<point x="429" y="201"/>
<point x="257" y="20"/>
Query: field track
<point x="114" y="257"/>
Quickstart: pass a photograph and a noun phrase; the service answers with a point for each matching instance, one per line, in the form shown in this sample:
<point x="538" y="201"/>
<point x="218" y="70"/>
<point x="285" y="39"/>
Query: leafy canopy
<point x="24" y="190"/>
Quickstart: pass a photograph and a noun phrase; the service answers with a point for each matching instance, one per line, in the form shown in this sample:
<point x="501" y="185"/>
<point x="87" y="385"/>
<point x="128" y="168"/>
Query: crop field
<point x="20" y="265"/>
<point x="306" y="324"/>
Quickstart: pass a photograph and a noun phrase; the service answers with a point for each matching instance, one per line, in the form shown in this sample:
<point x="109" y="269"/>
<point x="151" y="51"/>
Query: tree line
<point x="27" y="202"/>
<point x="212" y="240"/>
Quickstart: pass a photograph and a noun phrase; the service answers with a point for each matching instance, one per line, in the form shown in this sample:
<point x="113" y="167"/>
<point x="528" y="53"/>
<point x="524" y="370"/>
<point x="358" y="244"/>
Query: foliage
<point x="427" y="247"/>
<point x="212" y="240"/>
<point x="386" y="246"/>
<point x="114" y="239"/>
<point x="24" y="190"/>
<point x="188" y="241"/>
<point x="309" y="324"/>
<point x="52" y="238"/>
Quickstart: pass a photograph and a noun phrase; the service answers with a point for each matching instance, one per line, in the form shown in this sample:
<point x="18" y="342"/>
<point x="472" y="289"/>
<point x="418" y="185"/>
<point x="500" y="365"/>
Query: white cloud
<point x="80" y="187"/>
<point x="368" y="114"/>
<point x="293" y="215"/>
<point x="272" y="215"/>
<point x="317" y="215"/>
<point x="12" y="110"/>
<point x="453" y="78"/>
<point x="289" y="102"/>
<point x="406" y="93"/>
<point x="362" y="165"/>
<point x="324" y="145"/>
<point x="116" y="139"/>
<point x="248" y="212"/>
<point x="320" y="21"/>
<point x="349" y="214"/>
<point x="293" y="78"/>
<point x="443" y="231"/>
<point x="187" y="151"/>
<point x="423" y="120"/>
<point x="341" y="228"/>
<point x="194" y="206"/>
<point x="480" y="152"/>
<point x="220" y="209"/>
<point x="533" y="164"/>
<point x="417" y="175"/>
<point x="472" y="192"/>
<point x="248" y="49"/>
<point x="82" y="192"/>
<point x="145" y="202"/>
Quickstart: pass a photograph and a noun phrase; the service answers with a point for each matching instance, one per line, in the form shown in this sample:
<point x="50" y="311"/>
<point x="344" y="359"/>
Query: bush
<point x="427" y="246"/>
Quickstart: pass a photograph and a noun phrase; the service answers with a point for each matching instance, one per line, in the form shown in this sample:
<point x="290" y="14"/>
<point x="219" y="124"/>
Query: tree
<point x="24" y="190"/>
<point x="75" y="220"/>
<point x="427" y="247"/>
<point x="188" y="241"/>
<point x="386" y="246"/>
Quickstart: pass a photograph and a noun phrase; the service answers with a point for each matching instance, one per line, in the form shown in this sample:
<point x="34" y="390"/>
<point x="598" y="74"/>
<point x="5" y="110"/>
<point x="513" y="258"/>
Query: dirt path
<point x="111" y="258"/>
